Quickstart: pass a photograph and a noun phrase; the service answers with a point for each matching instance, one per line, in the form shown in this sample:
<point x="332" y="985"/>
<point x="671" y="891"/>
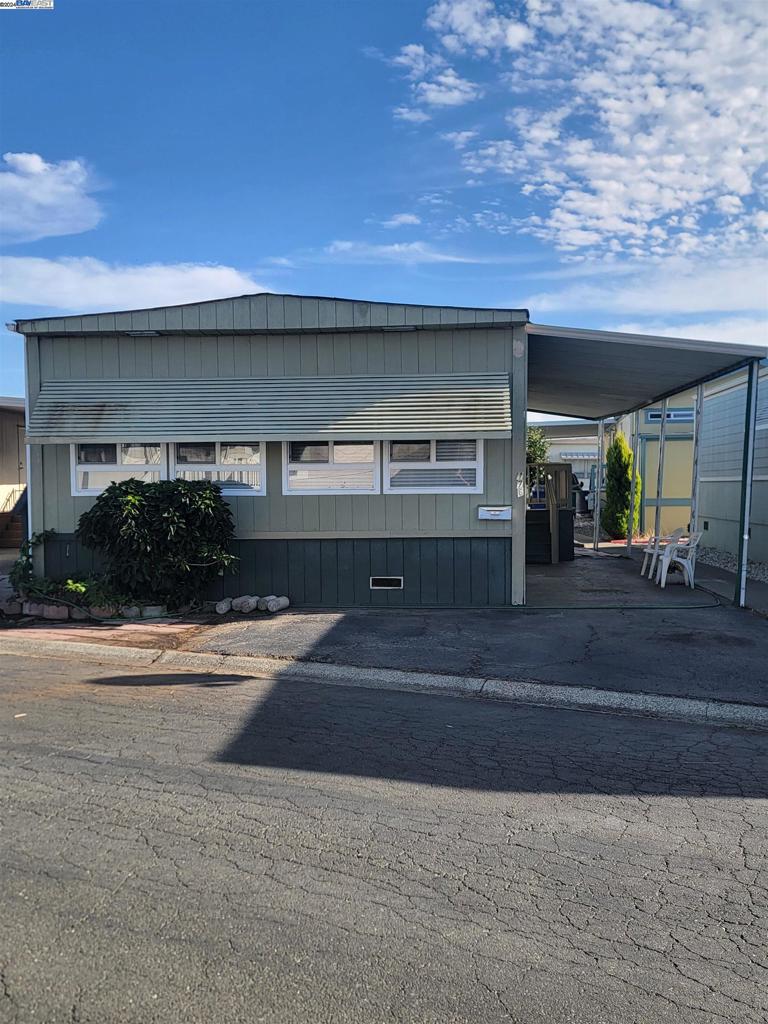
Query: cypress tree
<point x="618" y="483"/>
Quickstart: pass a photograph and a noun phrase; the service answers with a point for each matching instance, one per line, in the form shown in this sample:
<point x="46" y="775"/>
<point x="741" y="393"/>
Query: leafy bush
<point x="536" y="445"/>
<point x="22" y="573"/>
<point x="618" y="483"/>
<point x="162" y="541"/>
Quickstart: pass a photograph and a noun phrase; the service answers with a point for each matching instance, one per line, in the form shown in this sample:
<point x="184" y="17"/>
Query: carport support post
<point x="697" y="414"/>
<point x="747" y="468"/>
<point x="598" y="486"/>
<point x="632" y="486"/>
<point x="660" y="476"/>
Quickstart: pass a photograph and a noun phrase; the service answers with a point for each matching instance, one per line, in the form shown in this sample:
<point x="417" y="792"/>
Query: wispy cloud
<point x="446" y="89"/>
<point x="399" y="220"/>
<point x="412" y="115"/>
<point x="398" y="252"/>
<point x="477" y="26"/>
<point x="638" y="128"/>
<point x="42" y="200"/>
<point x="737" y="329"/>
<point x="679" y="287"/>
<point x="85" y="284"/>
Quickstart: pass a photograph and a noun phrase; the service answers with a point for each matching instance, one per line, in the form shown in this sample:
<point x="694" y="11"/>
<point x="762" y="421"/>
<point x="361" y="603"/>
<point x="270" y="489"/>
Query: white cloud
<point x="41" y="200"/>
<point x="681" y="287"/>
<point x="416" y="61"/>
<point x="411" y="114"/>
<point x="85" y="284"/>
<point x="639" y="128"/>
<point x="476" y="25"/>
<point x="399" y="220"/>
<point x="459" y="139"/>
<point x="737" y="329"/>
<point x="446" y="89"/>
<point x="400" y="252"/>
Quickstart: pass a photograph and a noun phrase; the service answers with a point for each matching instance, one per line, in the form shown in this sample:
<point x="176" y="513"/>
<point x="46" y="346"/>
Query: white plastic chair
<point x="682" y="554"/>
<point x="654" y="548"/>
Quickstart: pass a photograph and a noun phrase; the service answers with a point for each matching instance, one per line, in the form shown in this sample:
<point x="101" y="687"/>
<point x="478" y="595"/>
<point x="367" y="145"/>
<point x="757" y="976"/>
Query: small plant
<point x="536" y="445"/>
<point x="22" y="575"/>
<point x="618" y="484"/>
<point x="163" y="541"/>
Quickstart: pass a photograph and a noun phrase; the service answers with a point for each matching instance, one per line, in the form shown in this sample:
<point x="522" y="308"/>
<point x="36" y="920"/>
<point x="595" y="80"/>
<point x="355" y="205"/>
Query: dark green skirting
<point x="437" y="572"/>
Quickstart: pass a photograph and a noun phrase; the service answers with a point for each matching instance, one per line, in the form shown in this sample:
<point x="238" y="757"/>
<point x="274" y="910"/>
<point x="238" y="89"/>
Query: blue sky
<point x="600" y="162"/>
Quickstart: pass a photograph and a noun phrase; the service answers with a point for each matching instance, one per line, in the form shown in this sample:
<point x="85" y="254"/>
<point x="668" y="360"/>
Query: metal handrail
<point x="12" y="498"/>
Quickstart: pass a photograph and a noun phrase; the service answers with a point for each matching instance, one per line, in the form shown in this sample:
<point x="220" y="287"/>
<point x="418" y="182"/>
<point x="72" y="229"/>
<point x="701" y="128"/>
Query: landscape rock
<point x="33" y="608"/>
<point x="131" y="611"/>
<point x="10" y="607"/>
<point x="79" y="614"/>
<point x="264" y="601"/>
<point x="238" y="602"/>
<point x="58" y="612"/>
<point x="222" y="607"/>
<point x="250" y="604"/>
<point x="104" y="611"/>
<point x="277" y="604"/>
<point x="153" y="611"/>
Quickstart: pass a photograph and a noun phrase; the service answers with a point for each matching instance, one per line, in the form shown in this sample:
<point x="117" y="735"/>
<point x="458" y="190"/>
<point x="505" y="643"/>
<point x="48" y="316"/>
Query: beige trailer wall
<point x="12" y="454"/>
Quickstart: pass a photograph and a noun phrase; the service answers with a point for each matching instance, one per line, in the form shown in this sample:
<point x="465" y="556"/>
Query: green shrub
<point x="618" y="484"/>
<point x="163" y="541"/>
<point x="22" y="573"/>
<point x="536" y="445"/>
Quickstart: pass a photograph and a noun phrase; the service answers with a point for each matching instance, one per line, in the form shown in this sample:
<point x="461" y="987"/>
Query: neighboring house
<point x="575" y="442"/>
<point x="13" y="476"/>
<point x="372" y="453"/>
<point x="678" y="461"/>
<point x="720" y="462"/>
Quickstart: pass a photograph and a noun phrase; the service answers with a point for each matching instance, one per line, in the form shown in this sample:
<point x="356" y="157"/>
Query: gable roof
<point x="267" y="311"/>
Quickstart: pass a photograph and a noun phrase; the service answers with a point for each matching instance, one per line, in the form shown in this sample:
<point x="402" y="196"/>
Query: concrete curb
<point x="582" y="698"/>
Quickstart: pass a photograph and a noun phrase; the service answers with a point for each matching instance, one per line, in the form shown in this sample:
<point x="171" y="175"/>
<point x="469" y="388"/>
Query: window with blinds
<point x="434" y="467"/>
<point x="235" y="465"/>
<point x="96" y="466"/>
<point x="331" y="467"/>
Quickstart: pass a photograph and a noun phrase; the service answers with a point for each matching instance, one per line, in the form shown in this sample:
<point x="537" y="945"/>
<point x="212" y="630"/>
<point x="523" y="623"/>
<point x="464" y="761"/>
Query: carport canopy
<point x="597" y="374"/>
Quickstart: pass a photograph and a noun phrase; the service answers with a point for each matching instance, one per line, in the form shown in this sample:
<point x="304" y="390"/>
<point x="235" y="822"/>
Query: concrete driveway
<point x="704" y="653"/>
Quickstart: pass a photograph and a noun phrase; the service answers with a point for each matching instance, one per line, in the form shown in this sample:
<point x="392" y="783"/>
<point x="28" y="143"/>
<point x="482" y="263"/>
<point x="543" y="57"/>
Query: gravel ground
<point x="722" y="560"/>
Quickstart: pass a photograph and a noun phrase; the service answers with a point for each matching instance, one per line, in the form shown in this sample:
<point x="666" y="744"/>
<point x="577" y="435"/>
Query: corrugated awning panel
<point x="277" y="408"/>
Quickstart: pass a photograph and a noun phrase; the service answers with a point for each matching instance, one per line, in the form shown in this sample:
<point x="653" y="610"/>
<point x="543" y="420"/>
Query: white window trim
<point x="104" y="467"/>
<point x="288" y="465"/>
<point x="478" y="465"/>
<point x="223" y="467"/>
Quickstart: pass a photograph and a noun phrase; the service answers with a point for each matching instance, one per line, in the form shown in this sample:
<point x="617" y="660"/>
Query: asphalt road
<point x="184" y="849"/>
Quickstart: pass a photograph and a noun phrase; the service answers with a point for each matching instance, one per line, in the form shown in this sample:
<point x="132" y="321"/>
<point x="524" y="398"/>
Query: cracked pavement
<point x="178" y="847"/>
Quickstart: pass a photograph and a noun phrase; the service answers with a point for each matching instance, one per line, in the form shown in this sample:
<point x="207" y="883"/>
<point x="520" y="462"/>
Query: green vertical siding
<point x="306" y="355"/>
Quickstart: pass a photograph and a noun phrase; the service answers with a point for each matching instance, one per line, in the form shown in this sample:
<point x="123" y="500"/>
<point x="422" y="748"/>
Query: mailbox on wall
<point x="494" y="512"/>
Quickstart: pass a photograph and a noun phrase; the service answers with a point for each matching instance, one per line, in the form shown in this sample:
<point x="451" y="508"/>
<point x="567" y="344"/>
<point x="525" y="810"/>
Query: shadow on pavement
<point x="478" y="745"/>
<point x="170" y="679"/>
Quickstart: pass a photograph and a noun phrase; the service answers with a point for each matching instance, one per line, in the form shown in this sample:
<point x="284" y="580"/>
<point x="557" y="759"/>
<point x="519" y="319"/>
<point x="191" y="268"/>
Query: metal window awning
<point x="597" y="374"/>
<point x="277" y="408"/>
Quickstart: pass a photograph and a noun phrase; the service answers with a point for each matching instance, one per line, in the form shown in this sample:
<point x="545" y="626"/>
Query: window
<point x="331" y="467"/>
<point x="96" y="466"/>
<point x="434" y="467"/>
<point x="236" y="465"/>
<point x="673" y="415"/>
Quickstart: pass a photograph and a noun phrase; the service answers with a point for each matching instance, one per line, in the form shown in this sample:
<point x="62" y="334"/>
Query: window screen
<point x="309" y="451"/>
<point x="409" y="451"/>
<point x="91" y="454"/>
<point x="443" y="465"/>
<point x="235" y="465"/>
<point x="331" y="467"/>
<point x="455" y="451"/>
